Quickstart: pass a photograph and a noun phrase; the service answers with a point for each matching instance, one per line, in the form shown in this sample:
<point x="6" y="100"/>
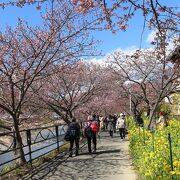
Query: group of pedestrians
<point x="116" y="122"/>
<point x="91" y="129"/>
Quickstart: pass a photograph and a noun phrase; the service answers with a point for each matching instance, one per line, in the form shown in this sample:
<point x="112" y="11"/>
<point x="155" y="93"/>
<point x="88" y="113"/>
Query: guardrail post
<point x="57" y="137"/>
<point x="170" y="153"/>
<point x="28" y="134"/>
<point x="144" y="138"/>
<point x="139" y="132"/>
<point x="152" y="138"/>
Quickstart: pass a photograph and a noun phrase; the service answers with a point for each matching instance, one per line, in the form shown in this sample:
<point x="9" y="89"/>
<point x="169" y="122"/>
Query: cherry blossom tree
<point x="152" y="78"/>
<point x="114" y="15"/>
<point x="109" y="100"/>
<point x="69" y="88"/>
<point x="27" y="52"/>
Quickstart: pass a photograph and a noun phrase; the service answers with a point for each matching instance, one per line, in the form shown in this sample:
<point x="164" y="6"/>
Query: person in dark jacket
<point x="74" y="129"/>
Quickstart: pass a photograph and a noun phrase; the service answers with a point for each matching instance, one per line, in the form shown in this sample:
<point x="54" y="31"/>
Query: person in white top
<point x="121" y="125"/>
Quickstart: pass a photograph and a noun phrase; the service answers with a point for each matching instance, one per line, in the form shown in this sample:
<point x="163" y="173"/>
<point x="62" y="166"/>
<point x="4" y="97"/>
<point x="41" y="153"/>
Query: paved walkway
<point x="110" y="162"/>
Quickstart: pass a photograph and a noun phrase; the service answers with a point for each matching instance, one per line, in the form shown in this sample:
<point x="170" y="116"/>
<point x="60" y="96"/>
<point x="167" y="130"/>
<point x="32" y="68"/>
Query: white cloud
<point x="170" y="41"/>
<point x="151" y="36"/>
<point x="102" y="61"/>
<point x="129" y="50"/>
<point x="96" y="60"/>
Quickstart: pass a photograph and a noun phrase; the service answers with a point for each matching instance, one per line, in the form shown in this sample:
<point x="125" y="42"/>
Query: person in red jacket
<point x="91" y="131"/>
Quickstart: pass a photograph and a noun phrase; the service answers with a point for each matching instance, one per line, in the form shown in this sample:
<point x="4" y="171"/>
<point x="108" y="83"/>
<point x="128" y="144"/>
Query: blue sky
<point x="110" y="42"/>
<point x="128" y="39"/>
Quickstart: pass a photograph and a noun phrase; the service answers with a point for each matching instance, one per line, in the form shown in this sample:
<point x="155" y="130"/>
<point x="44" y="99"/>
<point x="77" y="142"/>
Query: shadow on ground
<point x="105" y="162"/>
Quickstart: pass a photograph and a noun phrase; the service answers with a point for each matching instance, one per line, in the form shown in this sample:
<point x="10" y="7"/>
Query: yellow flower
<point x="176" y="163"/>
<point x="167" y="167"/>
<point x="151" y="155"/>
<point x="148" y="174"/>
<point x="172" y="172"/>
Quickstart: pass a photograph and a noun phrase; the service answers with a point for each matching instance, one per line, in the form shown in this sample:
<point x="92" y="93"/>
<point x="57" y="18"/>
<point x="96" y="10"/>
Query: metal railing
<point x="37" y="142"/>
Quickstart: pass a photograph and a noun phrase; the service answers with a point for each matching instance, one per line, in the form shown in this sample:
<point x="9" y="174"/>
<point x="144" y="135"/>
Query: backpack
<point x="71" y="133"/>
<point x="94" y="126"/>
<point x="67" y="136"/>
<point x="88" y="131"/>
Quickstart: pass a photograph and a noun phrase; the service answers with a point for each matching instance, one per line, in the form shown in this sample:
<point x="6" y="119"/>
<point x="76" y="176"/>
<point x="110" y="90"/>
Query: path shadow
<point x="44" y="169"/>
<point x="101" y="152"/>
<point x="106" y="161"/>
<point x="47" y="167"/>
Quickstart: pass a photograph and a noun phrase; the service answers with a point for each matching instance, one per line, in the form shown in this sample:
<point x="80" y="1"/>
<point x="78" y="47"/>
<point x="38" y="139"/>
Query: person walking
<point x="105" y="123"/>
<point x="114" y="122"/>
<point x="162" y="122"/>
<point x="121" y="125"/>
<point x="91" y="130"/>
<point x="101" y="127"/>
<point x="110" y="125"/>
<point x="74" y="131"/>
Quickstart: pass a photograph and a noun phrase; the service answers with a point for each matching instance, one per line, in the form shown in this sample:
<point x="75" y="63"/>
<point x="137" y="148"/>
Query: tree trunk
<point x="152" y="114"/>
<point x="70" y="115"/>
<point x="148" y="111"/>
<point x="19" y="144"/>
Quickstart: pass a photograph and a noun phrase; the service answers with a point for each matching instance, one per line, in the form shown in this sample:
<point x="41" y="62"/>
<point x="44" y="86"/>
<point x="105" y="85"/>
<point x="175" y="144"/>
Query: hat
<point x="121" y="114"/>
